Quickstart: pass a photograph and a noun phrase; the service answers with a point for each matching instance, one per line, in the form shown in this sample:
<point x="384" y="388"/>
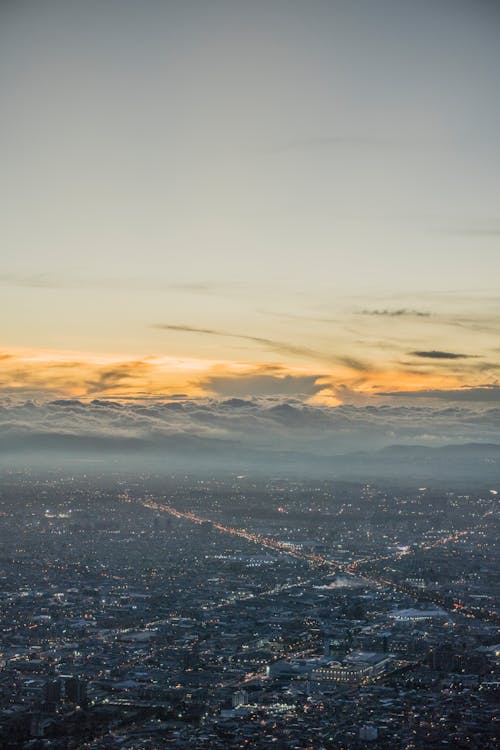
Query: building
<point x="353" y="669"/>
<point x="414" y="615"/>
<point x="240" y="698"/>
<point x="368" y="733"/>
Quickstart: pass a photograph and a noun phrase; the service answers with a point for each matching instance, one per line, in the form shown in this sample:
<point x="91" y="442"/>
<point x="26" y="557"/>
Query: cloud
<point x="36" y="280"/>
<point x="487" y="393"/>
<point x="273" y="345"/>
<point x="436" y="354"/>
<point x="50" y="374"/>
<point x="50" y="280"/>
<point x="43" y="375"/>
<point x="488" y="324"/>
<point x="268" y="431"/>
<point x="397" y="313"/>
<point x="262" y="384"/>
<point x="476" y="231"/>
<point x="126" y="374"/>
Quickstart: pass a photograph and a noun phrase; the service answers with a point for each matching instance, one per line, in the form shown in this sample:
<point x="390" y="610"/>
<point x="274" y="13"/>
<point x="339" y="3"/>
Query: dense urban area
<point x="175" y="612"/>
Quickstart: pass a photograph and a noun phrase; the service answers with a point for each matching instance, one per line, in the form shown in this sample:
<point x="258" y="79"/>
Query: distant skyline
<point x="222" y="199"/>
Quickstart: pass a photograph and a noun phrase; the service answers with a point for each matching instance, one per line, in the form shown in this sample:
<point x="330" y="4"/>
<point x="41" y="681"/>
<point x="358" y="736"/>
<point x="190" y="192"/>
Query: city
<point x="238" y="612"/>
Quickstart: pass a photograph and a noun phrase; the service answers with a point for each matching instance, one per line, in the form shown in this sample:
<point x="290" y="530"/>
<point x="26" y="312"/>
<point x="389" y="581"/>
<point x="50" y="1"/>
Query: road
<point x="450" y="537"/>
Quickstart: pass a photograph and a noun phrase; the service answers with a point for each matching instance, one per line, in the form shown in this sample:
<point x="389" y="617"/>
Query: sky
<point x="252" y="200"/>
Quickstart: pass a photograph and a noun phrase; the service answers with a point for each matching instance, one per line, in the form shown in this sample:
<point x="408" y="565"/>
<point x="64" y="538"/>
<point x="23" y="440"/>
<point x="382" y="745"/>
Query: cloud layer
<point x="269" y="423"/>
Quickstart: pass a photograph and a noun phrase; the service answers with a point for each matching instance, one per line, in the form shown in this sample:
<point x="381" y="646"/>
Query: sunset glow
<point x="43" y="374"/>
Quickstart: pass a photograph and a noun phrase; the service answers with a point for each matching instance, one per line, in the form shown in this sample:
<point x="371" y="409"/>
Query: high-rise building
<point x="240" y="698"/>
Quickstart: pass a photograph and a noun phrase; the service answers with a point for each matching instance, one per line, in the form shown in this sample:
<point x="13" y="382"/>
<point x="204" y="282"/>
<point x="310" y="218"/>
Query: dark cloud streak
<point x="437" y="354"/>
<point x="48" y="280"/>
<point x="398" y="313"/>
<point x="276" y="346"/>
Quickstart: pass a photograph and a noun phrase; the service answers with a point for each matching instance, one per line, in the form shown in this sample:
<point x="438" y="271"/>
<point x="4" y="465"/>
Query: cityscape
<point x="233" y="612"/>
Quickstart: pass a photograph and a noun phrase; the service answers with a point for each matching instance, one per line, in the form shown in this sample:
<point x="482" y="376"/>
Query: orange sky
<point x="45" y="374"/>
